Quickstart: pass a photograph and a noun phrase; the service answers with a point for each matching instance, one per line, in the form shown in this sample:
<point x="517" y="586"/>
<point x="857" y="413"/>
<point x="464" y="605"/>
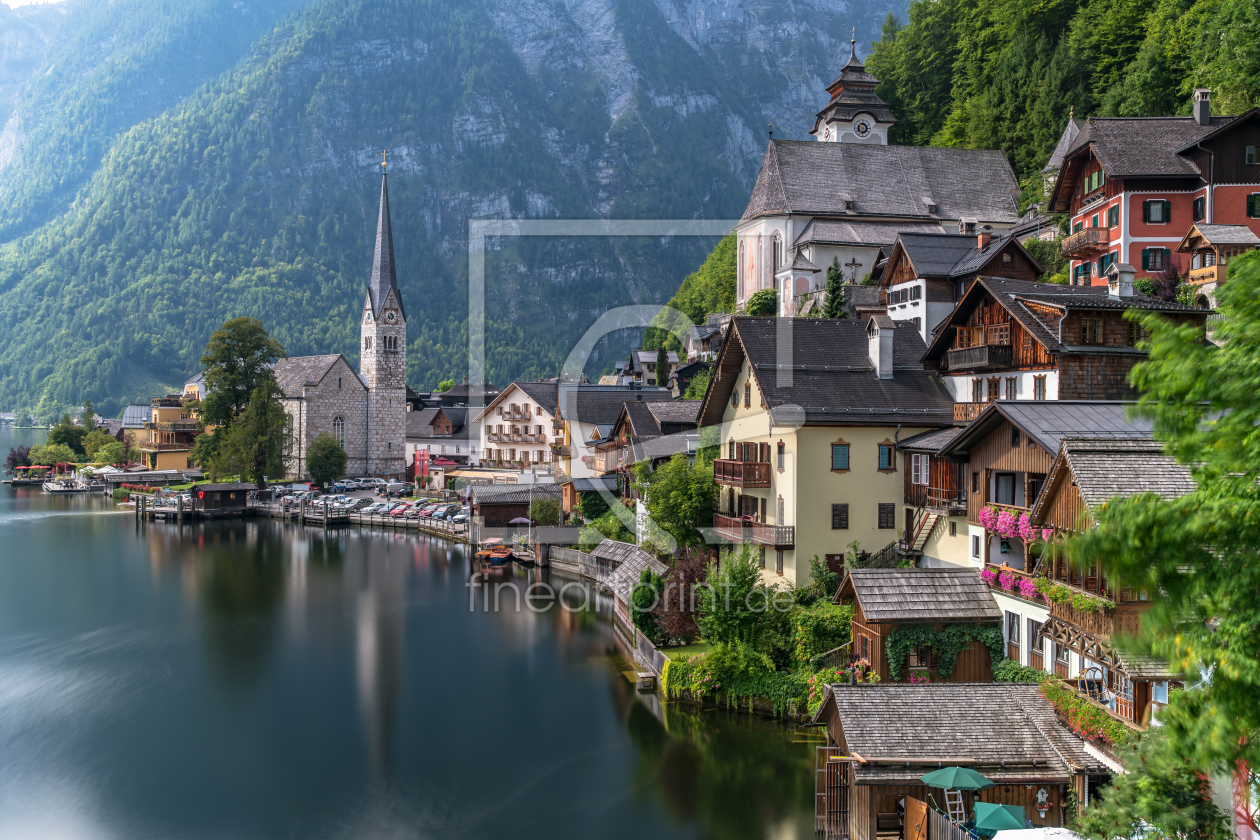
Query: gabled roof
<point x="674" y="411"/>
<point x="463" y="391"/>
<point x="1110" y="467"/>
<point x="633" y="561"/>
<point x="805" y="177"/>
<point x="914" y="595"/>
<point x="511" y="494"/>
<point x="1218" y="235"/>
<point x="543" y="393"/>
<point x="296" y="372"/>
<point x="420" y="423"/>
<point x="857" y="231"/>
<point x="601" y="405"/>
<point x="1012" y="295"/>
<point x="930" y="441"/>
<point x="134" y="416"/>
<point x="954" y="255"/>
<point x="1067" y="140"/>
<point x="1006" y="731"/>
<point x="1048" y="422"/>
<point x="832" y="379"/>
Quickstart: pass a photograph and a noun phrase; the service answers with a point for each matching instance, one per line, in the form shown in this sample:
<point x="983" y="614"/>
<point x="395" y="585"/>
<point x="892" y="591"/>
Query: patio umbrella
<point x="956" y="778"/>
<point x="520" y="520"/>
<point x="992" y="817"/>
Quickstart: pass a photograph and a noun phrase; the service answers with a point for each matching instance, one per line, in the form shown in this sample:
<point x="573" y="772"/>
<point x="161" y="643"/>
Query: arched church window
<point x="778" y="251"/>
<point x="339" y="431"/>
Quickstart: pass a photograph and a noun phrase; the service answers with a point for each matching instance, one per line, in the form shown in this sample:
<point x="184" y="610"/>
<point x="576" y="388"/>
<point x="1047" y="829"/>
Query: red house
<point x="1134" y="186"/>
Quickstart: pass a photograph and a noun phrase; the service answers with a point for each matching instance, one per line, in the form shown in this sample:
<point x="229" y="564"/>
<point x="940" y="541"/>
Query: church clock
<point x="391" y="317"/>
<point x="862" y="128"/>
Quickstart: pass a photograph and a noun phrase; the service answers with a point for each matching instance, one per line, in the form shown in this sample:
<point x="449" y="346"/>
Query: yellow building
<point x="810" y="412"/>
<point x="167" y="438"/>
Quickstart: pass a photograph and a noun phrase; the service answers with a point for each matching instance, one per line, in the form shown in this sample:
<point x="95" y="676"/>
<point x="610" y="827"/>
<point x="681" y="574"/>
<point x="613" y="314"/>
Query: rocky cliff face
<point x="24" y="36"/>
<point x="193" y="194"/>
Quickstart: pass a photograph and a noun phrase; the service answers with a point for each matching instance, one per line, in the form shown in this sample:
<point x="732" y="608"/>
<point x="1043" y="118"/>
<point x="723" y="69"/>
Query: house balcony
<point x="743" y="474"/>
<point x="1086" y="242"/>
<point x="165" y="447"/>
<point x="560" y="450"/>
<point x="518" y="415"/>
<point x="982" y="357"/>
<point x="741" y="530"/>
<point x="968" y="411"/>
<point x="1207" y="274"/>
<point x="174" y="426"/>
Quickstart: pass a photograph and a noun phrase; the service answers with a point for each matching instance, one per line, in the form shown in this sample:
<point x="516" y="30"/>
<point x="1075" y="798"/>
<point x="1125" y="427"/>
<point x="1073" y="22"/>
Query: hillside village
<point x="902" y="412"/>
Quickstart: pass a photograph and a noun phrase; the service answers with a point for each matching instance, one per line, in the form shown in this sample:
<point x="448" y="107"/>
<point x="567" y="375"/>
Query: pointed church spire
<point x="384" y="276"/>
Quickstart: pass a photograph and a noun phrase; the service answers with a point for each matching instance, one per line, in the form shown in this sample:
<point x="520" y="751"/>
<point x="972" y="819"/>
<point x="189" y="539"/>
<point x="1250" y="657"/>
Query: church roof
<point x="922" y="183"/>
<point x="293" y="374"/>
<point x="860" y="232"/>
<point x="384" y="276"/>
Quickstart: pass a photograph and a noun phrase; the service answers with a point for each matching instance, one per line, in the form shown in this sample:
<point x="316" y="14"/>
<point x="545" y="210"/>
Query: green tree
<point x="88" y="417"/>
<point x="644" y="599"/>
<point x="205" y="450"/>
<point x="698" y="386"/>
<point x="606" y="527"/>
<point x="237" y="360"/>
<point x="53" y="453"/>
<point x="445" y="385"/>
<point x="111" y="453"/>
<point x="764" y="302"/>
<point x="255" y="445"/>
<point x="592" y="505"/>
<point x="680" y="497"/>
<point x="545" y="511"/>
<point x="94" y="440"/>
<point x="835" y="301"/>
<point x="1196" y="554"/>
<point x="662" y="366"/>
<point x="326" y="460"/>
<point x="734" y="607"/>
<point x="67" y="434"/>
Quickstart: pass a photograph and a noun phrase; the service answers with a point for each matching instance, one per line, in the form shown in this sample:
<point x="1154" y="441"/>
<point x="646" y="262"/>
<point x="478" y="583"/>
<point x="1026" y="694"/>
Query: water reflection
<point x="259" y="679"/>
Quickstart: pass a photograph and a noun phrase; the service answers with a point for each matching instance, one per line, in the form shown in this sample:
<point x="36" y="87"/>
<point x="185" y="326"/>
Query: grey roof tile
<point x="1109" y="467"/>
<point x="860" y="232"/>
<point x="811" y="178"/>
<point x="906" y="595"/>
<point x="985" y="724"/>
<point x="294" y="373"/>
<point x="1048" y="422"/>
<point x="930" y="441"/>
<point x="1228" y="234"/>
<point x="632" y="559"/>
<point x="1133" y="146"/>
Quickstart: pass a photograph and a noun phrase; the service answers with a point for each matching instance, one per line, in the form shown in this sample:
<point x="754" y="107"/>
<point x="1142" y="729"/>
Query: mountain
<point x="253" y="192"/>
<point x="24" y="36"/>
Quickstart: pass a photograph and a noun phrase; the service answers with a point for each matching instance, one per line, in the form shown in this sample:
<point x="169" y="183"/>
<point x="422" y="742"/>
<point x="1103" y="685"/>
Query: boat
<point x="495" y="553"/>
<point x="66" y="486"/>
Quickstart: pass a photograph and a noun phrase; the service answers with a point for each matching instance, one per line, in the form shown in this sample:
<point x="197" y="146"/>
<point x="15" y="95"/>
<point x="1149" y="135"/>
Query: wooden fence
<point x="940" y="828"/>
<point x="572" y="560"/>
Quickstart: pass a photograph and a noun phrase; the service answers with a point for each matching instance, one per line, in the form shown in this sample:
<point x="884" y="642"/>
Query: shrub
<point x="818" y="629"/>
<point x="765" y="302"/>
<point x="1010" y="671"/>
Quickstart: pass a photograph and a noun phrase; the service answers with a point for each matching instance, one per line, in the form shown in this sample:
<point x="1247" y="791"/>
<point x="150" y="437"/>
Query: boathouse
<point x="906" y="622"/>
<point x="882" y="738"/>
<point x="626" y="563"/>
<point x="220" y="497"/>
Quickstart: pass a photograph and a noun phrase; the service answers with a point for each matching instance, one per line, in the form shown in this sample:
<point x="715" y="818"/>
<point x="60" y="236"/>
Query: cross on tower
<point x="855" y="265"/>
<point x="384" y="162"/>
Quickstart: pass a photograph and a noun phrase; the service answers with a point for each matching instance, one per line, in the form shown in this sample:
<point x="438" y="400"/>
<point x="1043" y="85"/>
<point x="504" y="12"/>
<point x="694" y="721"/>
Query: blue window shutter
<point x="840" y="456"/>
<point x="883" y="457"/>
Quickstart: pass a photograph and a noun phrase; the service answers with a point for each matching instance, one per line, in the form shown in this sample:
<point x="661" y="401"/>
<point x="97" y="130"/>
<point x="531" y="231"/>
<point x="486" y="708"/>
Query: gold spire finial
<point x="384" y="162"/>
<point x="853" y="36"/>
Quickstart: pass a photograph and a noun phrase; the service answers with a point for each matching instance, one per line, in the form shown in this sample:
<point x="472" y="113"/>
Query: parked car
<point x="358" y="504"/>
<point x="400" y="509"/>
<point x="460" y="517"/>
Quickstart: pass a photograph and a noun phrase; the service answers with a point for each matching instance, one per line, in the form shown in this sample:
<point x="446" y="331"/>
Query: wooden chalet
<point x="1211" y="247"/>
<point x="496" y="505"/>
<point x="887" y="599"/>
<point x="1016" y="340"/>
<point x="1085" y="474"/>
<point x="882" y="738"/>
<point x="572" y="490"/>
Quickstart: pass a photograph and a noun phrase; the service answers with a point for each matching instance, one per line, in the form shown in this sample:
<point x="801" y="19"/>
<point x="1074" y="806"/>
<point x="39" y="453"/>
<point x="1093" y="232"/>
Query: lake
<point x="258" y="679"/>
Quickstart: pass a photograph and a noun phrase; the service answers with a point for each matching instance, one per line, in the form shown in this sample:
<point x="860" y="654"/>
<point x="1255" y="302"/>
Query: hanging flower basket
<point x="1010" y="523"/>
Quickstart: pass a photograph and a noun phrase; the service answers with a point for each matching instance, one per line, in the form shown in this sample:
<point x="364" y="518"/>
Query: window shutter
<point x="1167" y="260"/>
<point x="1146" y="259"/>
<point x="840" y="456"/>
<point x="1146" y="211"/>
<point x="839" y="517"/>
<point x="1167" y="211"/>
<point x="1253" y="205"/>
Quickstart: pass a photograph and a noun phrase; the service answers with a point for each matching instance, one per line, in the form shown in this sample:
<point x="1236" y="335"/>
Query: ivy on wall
<point x="947" y="641"/>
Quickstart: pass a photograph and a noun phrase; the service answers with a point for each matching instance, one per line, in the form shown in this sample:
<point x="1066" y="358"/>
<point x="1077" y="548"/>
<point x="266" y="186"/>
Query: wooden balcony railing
<point x="165" y="447"/>
<point x="1207" y="274"/>
<point x="968" y="411"/>
<point x="980" y="358"/>
<point x="741" y="473"/>
<point x="1091" y="240"/>
<point x="738" y="529"/>
<point x="174" y="426"/>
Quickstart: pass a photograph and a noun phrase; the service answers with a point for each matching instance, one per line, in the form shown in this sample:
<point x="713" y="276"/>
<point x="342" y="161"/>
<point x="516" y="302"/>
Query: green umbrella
<point x="956" y="778"/>
<point x="991" y="817"/>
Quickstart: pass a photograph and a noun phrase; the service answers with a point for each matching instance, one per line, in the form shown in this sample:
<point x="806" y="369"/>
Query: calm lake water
<point x="260" y="680"/>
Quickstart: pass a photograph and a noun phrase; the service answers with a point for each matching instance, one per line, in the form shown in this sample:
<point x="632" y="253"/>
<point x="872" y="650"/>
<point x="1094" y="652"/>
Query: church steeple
<point x="855" y="113"/>
<point x="384" y="276"/>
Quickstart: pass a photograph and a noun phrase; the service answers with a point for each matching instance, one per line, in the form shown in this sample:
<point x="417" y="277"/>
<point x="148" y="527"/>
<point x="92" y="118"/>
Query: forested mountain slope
<point x="255" y="194"/>
<point x="1007" y="75"/>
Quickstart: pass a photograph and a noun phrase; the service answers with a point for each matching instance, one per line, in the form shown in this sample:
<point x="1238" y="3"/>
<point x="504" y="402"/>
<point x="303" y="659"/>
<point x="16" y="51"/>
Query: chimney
<point x="879" y="344"/>
<point x="1120" y="280"/>
<point x="1202" y="106"/>
<point x="982" y="239"/>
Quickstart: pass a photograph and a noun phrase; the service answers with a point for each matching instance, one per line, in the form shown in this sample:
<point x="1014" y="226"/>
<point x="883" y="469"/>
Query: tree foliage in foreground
<point x="237" y="360"/>
<point x="680" y="497"/>
<point x="1199" y="551"/>
<point x="254" y="446"/>
<point x="325" y="459"/>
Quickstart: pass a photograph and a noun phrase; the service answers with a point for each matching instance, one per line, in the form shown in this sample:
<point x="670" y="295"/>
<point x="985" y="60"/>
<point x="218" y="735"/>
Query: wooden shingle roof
<point x="632" y="559"/>
<point x="903" y="731"/>
<point x="913" y="595"/>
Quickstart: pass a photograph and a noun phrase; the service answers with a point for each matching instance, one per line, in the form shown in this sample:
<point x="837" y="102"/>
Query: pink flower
<point x="1007" y="580"/>
<point x="988" y="574"/>
<point x="1027" y="588"/>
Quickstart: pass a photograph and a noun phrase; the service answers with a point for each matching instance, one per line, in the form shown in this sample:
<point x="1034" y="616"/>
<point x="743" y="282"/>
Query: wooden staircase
<point x="921" y="534"/>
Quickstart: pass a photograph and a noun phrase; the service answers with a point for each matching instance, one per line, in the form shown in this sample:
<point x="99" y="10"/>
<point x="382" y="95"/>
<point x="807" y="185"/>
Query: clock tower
<point x="383" y="353"/>
<point x="855" y="113"/>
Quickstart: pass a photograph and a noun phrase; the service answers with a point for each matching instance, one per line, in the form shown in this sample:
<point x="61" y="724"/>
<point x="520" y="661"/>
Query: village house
<point x="705" y="340"/>
<point x="808" y="413"/>
<point x="166" y="441"/>
<point x="928" y="273"/>
<point x="1017" y="340"/>
<point x="847" y="197"/>
<point x="640" y="369"/>
<point x="893" y="604"/>
<point x="881" y="739"/>
<point x="1210" y="248"/>
<point x="440" y="432"/>
<point x="653" y="431"/>
<point x="584" y="417"/>
<point x="496" y="505"/>
<point x="1134" y="186"/>
<point x="517" y="427"/>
